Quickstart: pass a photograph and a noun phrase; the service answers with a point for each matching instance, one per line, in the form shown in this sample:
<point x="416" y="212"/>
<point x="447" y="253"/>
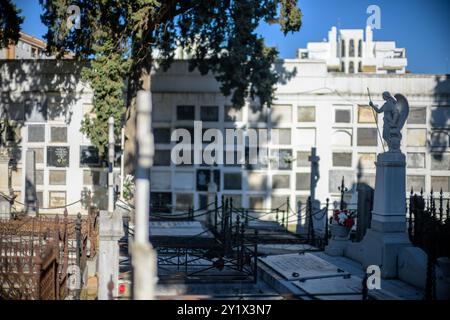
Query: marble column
<point x="111" y="231"/>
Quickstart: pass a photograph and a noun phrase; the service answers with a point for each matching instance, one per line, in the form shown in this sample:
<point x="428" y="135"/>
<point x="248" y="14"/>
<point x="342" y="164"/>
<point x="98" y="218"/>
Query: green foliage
<point x="121" y="39"/>
<point x="10" y="22"/>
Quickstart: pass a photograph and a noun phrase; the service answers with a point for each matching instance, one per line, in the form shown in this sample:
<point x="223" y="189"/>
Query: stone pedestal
<point x="443" y="278"/>
<point x="339" y="240"/>
<point x="111" y="231"/>
<point x="387" y="235"/>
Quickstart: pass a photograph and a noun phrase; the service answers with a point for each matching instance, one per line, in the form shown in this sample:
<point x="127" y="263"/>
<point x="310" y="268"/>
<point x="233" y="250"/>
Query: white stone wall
<point x="327" y="92"/>
<point x="312" y="86"/>
<point x="57" y="86"/>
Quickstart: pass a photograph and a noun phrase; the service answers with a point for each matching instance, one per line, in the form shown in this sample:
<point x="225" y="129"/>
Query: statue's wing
<point x="402" y="106"/>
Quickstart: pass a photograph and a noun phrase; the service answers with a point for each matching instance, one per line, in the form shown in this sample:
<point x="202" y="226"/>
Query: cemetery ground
<point x="233" y="254"/>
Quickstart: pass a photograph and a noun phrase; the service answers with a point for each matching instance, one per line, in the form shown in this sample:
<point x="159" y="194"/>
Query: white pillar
<point x="143" y="255"/>
<point x="122" y="161"/>
<point x="111" y="144"/>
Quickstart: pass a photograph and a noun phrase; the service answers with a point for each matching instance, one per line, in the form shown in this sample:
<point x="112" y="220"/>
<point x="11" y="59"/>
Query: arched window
<point x="342" y="66"/>
<point x="360" y="66"/>
<point x="351" y="67"/>
<point x="342" y="48"/>
<point x="360" y="48"/>
<point x="352" y="48"/>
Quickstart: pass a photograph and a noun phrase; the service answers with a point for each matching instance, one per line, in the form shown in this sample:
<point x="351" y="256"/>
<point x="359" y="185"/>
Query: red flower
<point x="348" y="223"/>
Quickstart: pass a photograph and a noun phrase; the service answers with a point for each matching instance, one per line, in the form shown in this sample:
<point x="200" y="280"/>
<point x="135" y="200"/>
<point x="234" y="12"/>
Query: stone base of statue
<point x="387" y="236"/>
<point x="339" y="240"/>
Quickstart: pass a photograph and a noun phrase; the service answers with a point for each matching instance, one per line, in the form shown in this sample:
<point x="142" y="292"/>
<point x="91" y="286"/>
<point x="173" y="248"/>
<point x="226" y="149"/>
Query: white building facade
<point x="316" y="108"/>
<point x="42" y="105"/>
<point x="352" y="51"/>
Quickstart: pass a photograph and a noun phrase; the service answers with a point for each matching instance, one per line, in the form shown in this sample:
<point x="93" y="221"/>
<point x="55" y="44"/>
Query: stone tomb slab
<point x="178" y="229"/>
<point x="302" y="266"/>
<point x="344" y="288"/>
<point x="281" y="248"/>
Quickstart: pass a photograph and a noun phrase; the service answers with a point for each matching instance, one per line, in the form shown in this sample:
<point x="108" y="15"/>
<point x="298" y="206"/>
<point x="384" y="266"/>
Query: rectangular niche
<point x="160" y="180"/>
<point x="367" y="137"/>
<point x="416" y="160"/>
<point x="306" y="114"/>
<point x="58" y="134"/>
<point x="162" y="158"/>
<point x="184" y="180"/>
<point x="416" y="137"/>
<point x="209" y="113"/>
<point x="342" y="159"/>
<point x="279" y="201"/>
<point x="280" y="181"/>
<point x="282" y="159"/>
<point x="203" y="178"/>
<point x="366" y="114"/>
<point x="162" y="113"/>
<point x="303" y="181"/>
<point x="281" y="114"/>
<point x="161" y="201"/>
<point x="417" y="115"/>
<point x="303" y="159"/>
<point x="257" y="181"/>
<point x="281" y="136"/>
<point x="184" y="201"/>
<point x="232" y="181"/>
<point x="335" y="179"/>
<point x="440" y="161"/>
<point x="256" y="202"/>
<point x="57" y="199"/>
<point x="161" y="135"/>
<point x="89" y="156"/>
<point x="416" y="182"/>
<point x="58" y="156"/>
<point x="342" y="116"/>
<point x="185" y="112"/>
<point x="440" y="182"/>
<point x="36" y="133"/>
<point x="57" y="177"/>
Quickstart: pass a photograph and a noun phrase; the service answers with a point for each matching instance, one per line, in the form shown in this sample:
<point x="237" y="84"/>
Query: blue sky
<point x="420" y="26"/>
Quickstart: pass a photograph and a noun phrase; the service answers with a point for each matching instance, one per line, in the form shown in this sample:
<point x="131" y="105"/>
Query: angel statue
<point x="396" y="110"/>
